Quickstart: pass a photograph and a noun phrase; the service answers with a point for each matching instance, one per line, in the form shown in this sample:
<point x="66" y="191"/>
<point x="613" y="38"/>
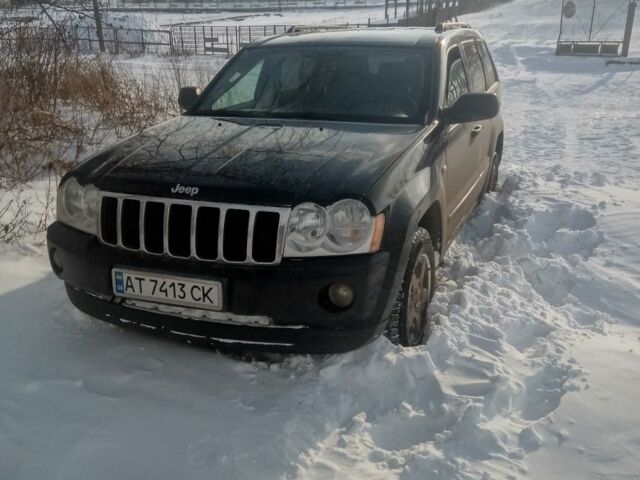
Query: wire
<point x="581" y="24"/>
<point x="611" y="17"/>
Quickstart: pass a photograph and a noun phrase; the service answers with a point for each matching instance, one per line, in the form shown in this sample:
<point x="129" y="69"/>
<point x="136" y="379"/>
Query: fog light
<point x="341" y="295"/>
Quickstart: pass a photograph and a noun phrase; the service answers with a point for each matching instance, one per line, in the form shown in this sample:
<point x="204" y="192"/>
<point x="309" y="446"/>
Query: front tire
<point x="408" y="323"/>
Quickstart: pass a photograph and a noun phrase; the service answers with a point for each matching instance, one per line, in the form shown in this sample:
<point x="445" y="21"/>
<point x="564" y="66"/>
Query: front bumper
<point x="291" y="295"/>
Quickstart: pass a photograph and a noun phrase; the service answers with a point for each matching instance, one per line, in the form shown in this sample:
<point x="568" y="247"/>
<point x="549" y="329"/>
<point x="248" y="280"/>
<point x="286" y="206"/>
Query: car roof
<point x="379" y="36"/>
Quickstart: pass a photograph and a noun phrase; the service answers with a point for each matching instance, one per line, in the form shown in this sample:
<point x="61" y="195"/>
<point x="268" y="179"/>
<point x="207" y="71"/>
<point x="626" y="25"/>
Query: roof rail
<point x="443" y="27"/>
<point x="298" y="29"/>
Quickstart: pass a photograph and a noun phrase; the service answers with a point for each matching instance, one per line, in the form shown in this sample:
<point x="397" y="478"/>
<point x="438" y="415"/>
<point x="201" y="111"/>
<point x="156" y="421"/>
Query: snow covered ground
<point x="533" y="371"/>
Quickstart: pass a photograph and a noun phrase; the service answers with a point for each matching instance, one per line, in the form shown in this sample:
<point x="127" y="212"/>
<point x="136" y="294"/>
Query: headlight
<point x="308" y="226"/>
<point x="78" y="206"/>
<point x="344" y="228"/>
<point x="350" y="225"/>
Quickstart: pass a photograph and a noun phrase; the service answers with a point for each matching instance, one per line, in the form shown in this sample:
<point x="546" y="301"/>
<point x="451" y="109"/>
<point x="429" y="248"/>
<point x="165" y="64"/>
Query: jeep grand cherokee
<point x="302" y="201"/>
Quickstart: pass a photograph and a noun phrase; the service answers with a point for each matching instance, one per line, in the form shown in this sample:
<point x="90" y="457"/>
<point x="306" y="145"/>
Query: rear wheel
<point x="492" y="184"/>
<point x="408" y="323"/>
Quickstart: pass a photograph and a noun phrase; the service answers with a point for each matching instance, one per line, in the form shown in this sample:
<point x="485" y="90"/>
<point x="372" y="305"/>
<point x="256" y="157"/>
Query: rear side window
<point x="489" y="69"/>
<point x="474" y="66"/>
<point x="457" y="84"/>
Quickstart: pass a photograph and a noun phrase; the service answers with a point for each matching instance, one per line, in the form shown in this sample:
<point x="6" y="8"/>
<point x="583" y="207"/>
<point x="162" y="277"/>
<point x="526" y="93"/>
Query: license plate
<point x="188" y="292"/>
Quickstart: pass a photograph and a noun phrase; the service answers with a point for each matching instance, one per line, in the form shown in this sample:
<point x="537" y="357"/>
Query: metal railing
<point x="230" y="5"/>
<point x="181" y="40"/>
<point x="227" y="40"/>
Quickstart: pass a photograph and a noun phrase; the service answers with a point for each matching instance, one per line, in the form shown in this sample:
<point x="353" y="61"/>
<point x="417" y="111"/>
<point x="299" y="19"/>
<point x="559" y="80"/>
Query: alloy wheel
<point x="418" y="301"/>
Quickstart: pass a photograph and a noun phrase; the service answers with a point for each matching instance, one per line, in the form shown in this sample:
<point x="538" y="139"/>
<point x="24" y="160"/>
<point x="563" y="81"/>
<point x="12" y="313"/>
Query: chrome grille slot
<point x="131" y="220"/>
<point x="109" y="220"/>
<point x="265" y="233"/>
<point x="207" y="222"/>
<point x="180" y="230"/>
<point x="236" y="228"/>
<point x="213" y="232"/>
<point x="153" y="227"/>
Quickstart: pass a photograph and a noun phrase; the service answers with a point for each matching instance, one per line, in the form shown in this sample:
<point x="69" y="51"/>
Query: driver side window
<point x="457" y="84"/>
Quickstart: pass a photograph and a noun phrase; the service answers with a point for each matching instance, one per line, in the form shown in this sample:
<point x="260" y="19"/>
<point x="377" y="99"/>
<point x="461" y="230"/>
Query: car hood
<point x="281" y="163"/>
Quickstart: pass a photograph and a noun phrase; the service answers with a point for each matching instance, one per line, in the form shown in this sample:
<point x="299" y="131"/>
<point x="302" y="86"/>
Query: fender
<point x="414" y="184"/>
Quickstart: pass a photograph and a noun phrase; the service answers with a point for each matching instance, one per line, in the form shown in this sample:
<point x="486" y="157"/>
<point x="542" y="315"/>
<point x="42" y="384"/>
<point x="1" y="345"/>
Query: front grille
<point x="214" y="232"/>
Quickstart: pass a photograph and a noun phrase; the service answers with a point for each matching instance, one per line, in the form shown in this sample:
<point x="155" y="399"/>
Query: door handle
<point x="476" y="130"/>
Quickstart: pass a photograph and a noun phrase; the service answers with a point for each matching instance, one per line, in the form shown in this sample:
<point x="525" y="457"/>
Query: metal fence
<point x="204" y="40"/>
<point x="179" y="40"/>
<point x="227" y="40"/>
<point x="273" y="5"/>
<point x="121" y="40"/>
<point x="85" y="39"/>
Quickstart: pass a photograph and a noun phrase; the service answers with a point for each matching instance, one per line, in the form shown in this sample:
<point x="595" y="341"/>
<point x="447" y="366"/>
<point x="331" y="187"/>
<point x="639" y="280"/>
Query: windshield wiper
<point x="222" y="112"/>
<point x="276" y="115"/>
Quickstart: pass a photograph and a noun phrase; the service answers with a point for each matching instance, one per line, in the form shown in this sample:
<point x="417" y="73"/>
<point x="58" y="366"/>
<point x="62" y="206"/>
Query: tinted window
<point x="489" y="68"/>
<point x="329" y="82"/>
<point x="457" y="84"/>
<point x="474" y="66"/>
<point x="242" y="91"/>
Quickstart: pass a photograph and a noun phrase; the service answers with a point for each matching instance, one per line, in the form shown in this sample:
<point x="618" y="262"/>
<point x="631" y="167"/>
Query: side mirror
<point x="471" y="107"/>
<point x="187" y="97"/>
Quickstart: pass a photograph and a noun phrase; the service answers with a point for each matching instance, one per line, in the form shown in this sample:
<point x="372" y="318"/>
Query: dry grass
<point x="57" y="103"/>
<point x="57" y="106"/>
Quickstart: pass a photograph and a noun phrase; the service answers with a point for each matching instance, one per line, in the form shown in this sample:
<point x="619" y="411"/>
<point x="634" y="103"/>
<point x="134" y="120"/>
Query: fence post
<point x="116" y="47"/>
<point x="195" y="40"/>
<point x="144" y="49"/>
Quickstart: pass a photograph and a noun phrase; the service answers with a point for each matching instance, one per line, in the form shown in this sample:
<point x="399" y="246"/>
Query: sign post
<point x="628" y="28"/>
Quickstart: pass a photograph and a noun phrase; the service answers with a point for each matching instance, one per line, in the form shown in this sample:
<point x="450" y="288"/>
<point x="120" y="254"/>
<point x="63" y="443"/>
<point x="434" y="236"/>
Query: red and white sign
<point x="569" y="9"/>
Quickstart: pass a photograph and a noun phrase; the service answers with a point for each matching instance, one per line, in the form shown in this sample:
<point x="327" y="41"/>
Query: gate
<point x="204" y="40"/>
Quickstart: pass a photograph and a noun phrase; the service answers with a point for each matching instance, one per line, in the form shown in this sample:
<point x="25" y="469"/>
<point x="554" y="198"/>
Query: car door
<point x="483" y="129"/>
<point x="463" y="150"/>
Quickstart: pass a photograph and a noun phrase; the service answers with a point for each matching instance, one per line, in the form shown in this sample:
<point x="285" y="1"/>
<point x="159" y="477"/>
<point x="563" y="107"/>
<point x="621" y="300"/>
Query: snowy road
<point x="533" y="371"/>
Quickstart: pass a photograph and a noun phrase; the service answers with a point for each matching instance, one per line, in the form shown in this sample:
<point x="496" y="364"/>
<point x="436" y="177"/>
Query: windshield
<point x="367" y="84"/>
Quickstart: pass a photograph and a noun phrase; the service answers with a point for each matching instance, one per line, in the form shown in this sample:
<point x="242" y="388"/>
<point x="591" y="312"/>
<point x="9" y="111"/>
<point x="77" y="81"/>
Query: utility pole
<point x="96" y="15"/>
<point x="593" y="14"/>
<point x="631" y="13"/>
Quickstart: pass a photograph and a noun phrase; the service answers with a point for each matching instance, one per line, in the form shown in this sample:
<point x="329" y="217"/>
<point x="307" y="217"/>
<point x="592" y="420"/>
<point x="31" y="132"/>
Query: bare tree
<point x="98" y="20"/>
<point x="77" y="7"/>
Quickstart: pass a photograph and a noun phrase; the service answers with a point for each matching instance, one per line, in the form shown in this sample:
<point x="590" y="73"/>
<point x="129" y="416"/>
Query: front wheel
<point x="408" y="323"/>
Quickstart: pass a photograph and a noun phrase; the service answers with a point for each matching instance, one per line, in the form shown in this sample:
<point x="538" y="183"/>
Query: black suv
<point x="303" y="200"/>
